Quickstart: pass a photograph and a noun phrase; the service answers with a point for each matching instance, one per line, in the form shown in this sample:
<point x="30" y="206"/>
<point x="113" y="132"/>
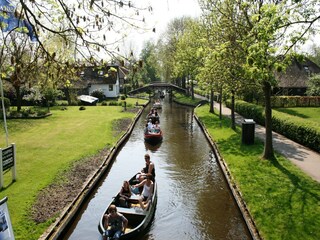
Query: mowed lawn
<point x="46" y="147"/>
<point x="283" y="200"/>
<point x="303" y="114"/>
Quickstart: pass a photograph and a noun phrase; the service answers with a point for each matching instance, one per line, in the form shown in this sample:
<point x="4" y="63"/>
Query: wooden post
<point x="14" y="169"/>
<point x="1" y="170"/>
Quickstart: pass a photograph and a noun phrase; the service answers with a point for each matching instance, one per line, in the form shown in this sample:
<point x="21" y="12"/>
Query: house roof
<point x="297" y="74"/>
<point x="99" y="75"/>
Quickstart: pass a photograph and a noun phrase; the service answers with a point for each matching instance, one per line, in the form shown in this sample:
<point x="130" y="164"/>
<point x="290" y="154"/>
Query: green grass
<point x="282" y="199"/>
<point x="182" y="98"/>
<point x="47" y="147"/>
<point x="301" y="114"/>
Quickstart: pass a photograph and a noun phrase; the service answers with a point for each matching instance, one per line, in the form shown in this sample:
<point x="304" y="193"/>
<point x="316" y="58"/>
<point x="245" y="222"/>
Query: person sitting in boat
<point x="147" y="191"/>
<point x="151" y="113"/>
<point x="149" y="168"/>
<point x="146" y="130"/>
<point x="156" y="127"/>
<point x="150" y="125"/>
<point x="115" y="223"/>
<point x="125" y="194"/>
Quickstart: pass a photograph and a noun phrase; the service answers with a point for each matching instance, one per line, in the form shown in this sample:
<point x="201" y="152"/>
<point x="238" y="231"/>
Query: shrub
<point x="82" y="108"/>
<point x="7" y="103"/>
<point x="98" y="94"/>
<point x="281" y="124"/>
<point x="114" y="103"/>
<point x="41" y="112"/>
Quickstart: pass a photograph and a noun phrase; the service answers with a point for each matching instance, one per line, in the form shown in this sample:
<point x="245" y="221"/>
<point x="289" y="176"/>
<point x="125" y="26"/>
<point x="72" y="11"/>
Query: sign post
<point x="8" y="160"/>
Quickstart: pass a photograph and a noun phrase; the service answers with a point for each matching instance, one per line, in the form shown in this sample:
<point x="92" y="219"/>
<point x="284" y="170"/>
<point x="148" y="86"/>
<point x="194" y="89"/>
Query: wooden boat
<point x="153" y="137"/>
<point x="138" y="219"/>
<point x="157" y="105"/>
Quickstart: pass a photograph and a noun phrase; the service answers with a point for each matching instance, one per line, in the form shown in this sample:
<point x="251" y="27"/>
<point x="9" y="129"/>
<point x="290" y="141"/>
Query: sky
<point x="163" y="12"/>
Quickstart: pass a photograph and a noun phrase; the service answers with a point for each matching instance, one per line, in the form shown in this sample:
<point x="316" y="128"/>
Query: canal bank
<point x="189" y="204"/>
<point x="68" y="214"/>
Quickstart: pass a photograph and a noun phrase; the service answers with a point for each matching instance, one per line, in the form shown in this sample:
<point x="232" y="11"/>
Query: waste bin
<point x="248" y="131"/>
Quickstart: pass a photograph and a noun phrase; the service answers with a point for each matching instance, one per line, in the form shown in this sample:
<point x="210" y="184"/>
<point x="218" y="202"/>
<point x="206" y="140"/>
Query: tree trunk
<point x="67" y="94"/>
<point x="192" y="90"/>
<point x="19" y="98"/>
<point x="268" y="147"/>
<point x="220" y="104"/>
<point x="211" y="101"/>
<point x="233" y="121"/>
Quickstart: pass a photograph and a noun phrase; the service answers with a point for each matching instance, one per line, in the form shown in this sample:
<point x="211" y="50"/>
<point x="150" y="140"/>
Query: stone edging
<point x="69" y="212"/>
<point x="232" y="185"/>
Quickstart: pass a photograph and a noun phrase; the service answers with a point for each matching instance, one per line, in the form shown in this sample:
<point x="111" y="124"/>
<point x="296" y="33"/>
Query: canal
<point x="194" y="201"/>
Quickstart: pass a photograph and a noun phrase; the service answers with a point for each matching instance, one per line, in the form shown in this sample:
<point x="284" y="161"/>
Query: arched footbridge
<point x="157" y="86"/>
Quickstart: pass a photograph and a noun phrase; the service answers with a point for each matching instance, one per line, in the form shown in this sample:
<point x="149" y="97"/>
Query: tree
<point x="149" y="71"/>
<point x="272" y="29"/>
<point x="168" y="47"/>
<point x="90" y="27"/>
<point x="20" y="70"/>
<point x="189" y="53"/>
<point x="314" y="86"/>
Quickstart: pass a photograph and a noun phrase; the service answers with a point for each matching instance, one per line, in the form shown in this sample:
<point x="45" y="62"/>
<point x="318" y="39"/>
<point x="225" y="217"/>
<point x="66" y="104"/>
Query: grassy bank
<point x="283" y="201"/>
<point x="47" y="147"/>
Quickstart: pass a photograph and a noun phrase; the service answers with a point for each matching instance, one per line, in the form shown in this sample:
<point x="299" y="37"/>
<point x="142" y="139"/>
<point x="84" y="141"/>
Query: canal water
<point x="194" y="201"/>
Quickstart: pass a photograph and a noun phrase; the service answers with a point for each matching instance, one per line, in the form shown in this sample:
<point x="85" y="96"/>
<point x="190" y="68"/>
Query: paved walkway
<point x="305" y="158"/>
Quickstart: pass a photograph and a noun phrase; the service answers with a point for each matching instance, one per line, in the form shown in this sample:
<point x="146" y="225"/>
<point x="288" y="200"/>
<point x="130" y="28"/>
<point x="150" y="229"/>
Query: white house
<point x="104" y="78"/>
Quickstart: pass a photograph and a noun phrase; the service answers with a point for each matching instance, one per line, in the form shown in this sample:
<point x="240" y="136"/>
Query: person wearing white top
<point x="147" y="191"/>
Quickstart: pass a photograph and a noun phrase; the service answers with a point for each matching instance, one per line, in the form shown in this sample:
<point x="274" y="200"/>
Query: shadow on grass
<point x="291" y="112"/>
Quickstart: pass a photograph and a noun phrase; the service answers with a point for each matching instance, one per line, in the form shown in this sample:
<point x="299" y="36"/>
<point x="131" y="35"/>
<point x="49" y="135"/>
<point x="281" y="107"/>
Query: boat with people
<point x="154" y="116"/>
<point x="153" y="137"/>
<point x="138" y="218"/>
<point x="157" y="104"/>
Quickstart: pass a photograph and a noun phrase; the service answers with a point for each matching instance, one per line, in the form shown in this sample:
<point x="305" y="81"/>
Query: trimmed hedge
<point x="305" y="134"/>
<point x="295" y="101"/>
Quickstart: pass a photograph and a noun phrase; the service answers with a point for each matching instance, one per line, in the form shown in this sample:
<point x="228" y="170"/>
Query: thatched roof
<point x="297" y="75"/>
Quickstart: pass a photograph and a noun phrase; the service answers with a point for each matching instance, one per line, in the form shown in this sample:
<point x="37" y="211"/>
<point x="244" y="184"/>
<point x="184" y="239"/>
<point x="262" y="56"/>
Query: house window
<point x="110" y="88"/>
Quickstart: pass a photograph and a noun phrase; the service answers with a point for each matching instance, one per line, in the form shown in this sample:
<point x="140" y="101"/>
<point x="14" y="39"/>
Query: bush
<point x="281" y="124"/>
<point x="41" y="113"/>
<point x="82" y="108"/>
<point x="114" y="103"/>
<point x="98" y="94"/>
<point x="7" y="103"/>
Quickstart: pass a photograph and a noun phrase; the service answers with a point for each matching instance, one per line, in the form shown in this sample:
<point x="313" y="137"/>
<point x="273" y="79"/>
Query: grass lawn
<point x="182" y="98"/>
<point x="303" y="114"/>
<point x="282" y="199"/>
<point x="47" y="147"/>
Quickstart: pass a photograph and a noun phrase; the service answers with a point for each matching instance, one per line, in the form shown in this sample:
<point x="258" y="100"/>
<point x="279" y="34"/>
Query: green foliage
<point x="295" y="101"/>
<point x="81" y="108"/>
<point x="289" y="126"/>
<point x="281" y="198"/>
<point x="314" y="86"/>
<point x="6" y="102"/>
<point x="115" y="103"/>
<point x="98" y="93"/>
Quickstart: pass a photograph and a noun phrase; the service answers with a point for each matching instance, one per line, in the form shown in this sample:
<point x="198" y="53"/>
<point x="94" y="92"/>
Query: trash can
<point x="248" y="131"/>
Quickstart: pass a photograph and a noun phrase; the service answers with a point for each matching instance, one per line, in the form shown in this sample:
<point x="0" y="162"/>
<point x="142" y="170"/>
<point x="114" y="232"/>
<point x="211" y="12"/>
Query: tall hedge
<point x="282" y="123"/>
<point x="295" y="101"/>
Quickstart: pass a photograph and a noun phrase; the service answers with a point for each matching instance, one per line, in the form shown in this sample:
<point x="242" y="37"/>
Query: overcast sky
<point x="163" y="12"/>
